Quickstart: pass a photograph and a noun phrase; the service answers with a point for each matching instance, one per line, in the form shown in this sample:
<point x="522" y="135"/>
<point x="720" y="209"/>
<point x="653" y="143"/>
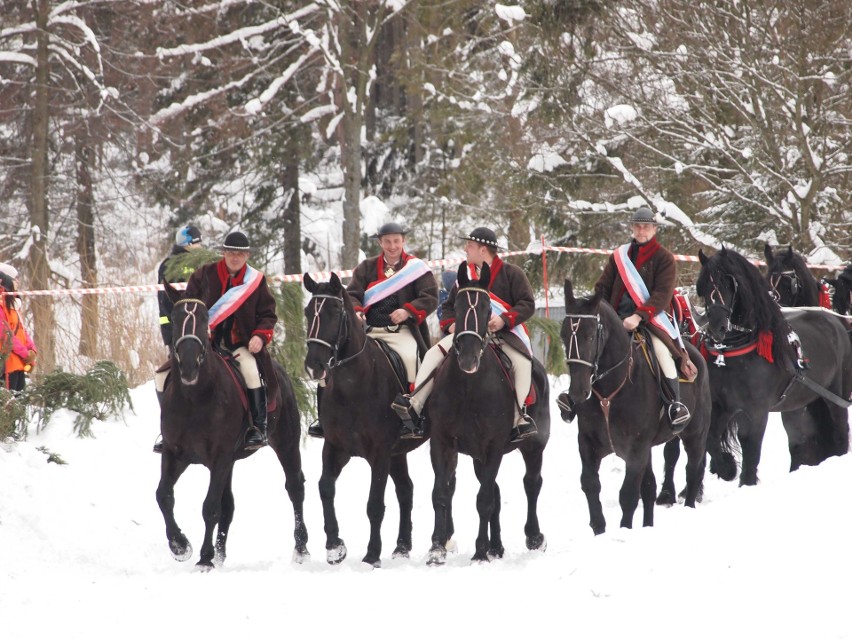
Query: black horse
<point x="841" y="301"/>
<point x="627" y="416"/>
<point x="355" y="412"/>
<point x="471" y="411"/>
<point x="755" y="370"/>
<point x="203" y="419"/>
<point x="791" y="282"/>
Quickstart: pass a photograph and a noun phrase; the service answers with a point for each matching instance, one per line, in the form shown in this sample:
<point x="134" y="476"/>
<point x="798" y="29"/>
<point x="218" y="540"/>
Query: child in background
<point x="20" y="351"/>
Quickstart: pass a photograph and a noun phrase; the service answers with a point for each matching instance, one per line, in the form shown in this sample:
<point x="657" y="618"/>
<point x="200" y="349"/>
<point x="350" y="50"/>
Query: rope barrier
<point x="325" y="275"/>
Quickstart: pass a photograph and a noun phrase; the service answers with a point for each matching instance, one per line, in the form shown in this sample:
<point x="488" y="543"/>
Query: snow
<point x="84" y="554"/>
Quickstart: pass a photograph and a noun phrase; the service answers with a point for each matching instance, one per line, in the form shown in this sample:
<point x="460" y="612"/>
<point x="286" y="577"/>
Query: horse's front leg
<point x="532" y="487"/>
<point x="486" y="505"/>
<point x="405" y="496"/>
<point x="170" y="471"/>
<point x="376" y="508"/>
<point x="751" y="429"/>
<point x="290" y="458"/>
<point x="444" y="463"/>
<point x="628" y="497"/>
<point x="648" y="492"/>
<point x="220" y="474"/>
<point x="590" y="482"/>
<point x="225" y="520"/>
<point x="671" y="453"/>
<point x="333" y="461"/>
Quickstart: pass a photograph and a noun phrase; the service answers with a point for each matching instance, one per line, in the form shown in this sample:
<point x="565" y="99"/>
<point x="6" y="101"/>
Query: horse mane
<point x="757" y="309"/>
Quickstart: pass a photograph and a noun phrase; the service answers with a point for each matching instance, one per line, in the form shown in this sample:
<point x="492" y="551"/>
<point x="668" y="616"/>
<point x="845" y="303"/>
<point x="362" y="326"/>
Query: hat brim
<point x="376" y="236"/>
<point x="481" y="241"/>
<point x="241" y="249"/>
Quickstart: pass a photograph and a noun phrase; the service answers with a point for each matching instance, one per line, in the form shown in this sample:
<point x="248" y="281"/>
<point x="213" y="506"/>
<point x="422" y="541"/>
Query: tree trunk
<point x="37" y="261"/>
<point x="86" y="243"/>
<point x="293" y="210"/>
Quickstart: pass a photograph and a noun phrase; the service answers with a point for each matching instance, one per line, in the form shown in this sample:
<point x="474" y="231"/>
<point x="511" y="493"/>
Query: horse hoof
<point x="375" y="563"/>
<point x="301" y="556"/>
<point x="537" y="542"/>
<point x="204" y="566"/>
<point x="496" y="553"/>
<point x="401" y="553"/>
<point x="482" y="558"/>
<point x="337" y="554"/>
<point x="665" y="498"/>
<point x="437" y="556"/>
<point x="181" y="549"/>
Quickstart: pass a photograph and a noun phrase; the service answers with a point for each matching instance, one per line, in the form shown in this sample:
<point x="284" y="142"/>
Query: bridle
<point x="775" y="280"/>
<point x="190" y="326"/>
<point x="470" y="321"/>
<point x="342" y="336"/>
<point x="716" y="299"/>
<point x="572" y="349"/>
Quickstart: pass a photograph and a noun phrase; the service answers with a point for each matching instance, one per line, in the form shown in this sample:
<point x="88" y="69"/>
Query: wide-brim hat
<point x="483" y="235"/>
<point x="390" y="228"/>
<point x="643" y="215"/>
<point x="236" y="241"/>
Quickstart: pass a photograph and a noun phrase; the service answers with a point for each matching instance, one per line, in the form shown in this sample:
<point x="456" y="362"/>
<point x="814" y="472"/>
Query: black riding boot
<point x="315" y="429"/>
<point x="524" y="428"/>
<point x="256" y="437"/>
<point x="566" y="407"/>
<point x="158" y="445"/>
<point x="411" y="422"/>
<point x="678" y="413"/>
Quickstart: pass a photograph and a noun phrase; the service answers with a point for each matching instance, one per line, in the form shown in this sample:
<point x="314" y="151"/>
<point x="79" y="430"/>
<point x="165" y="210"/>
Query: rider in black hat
<point x="511" y="288"/>
<point x="657" y="268"/>
<point x="394" y="292"/>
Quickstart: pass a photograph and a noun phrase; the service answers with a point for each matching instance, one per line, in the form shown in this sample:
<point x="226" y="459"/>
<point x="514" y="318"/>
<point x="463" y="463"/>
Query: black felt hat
<point x="483" y="235"/>
<point x="643" y="215"/>
<point x="236" y="241"/>
<point x="390" y="228"/>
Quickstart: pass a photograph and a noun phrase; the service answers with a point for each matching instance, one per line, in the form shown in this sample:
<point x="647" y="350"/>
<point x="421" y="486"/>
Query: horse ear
<point x="171" y="292"/>
<point x="336" y="284"/>
<point x="569" y="291"/>
<point x="767" y="252"/>
<point x="463" y="278"/>
<point x="702" y="258"/>
<point x="309" y="283"/>
<point x="485" y="276"/>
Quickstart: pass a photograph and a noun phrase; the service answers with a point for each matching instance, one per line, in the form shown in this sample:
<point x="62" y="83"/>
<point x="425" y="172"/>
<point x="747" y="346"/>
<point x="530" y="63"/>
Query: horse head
<point x="327" y="320"/>
<point x="841" y="301"/>
<point x="718" y="287"/>
<point x="790" y="281"/>
<point x="190" y="335"/>
<point x="473" y="310"/>
<point x="583" y="336"/>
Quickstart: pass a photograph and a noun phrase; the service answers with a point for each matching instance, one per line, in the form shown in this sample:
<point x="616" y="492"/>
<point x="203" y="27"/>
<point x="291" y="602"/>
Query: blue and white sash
<point x="379" y="290"/>
<point x="635" y="286"/>
<point x="234" y="297"/>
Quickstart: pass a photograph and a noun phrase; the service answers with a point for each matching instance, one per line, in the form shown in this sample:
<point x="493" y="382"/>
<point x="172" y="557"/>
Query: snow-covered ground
<point x="83" y="551"/>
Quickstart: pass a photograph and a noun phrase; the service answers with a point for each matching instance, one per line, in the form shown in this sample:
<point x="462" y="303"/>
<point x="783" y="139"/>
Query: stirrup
<point x="316" y="430"/>
<point x="256" y="444"/>
<point x="684" y="418"/>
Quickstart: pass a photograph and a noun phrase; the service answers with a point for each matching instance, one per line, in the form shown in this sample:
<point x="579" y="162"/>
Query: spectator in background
<point x="187" y="239"/>
<point x="448" y="280"/>
<point x="15" y="343"/>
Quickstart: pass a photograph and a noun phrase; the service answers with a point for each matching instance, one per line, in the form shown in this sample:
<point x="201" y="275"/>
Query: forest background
<point x="122" y="119"/>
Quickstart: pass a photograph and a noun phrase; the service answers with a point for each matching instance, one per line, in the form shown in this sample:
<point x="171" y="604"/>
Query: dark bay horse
<point x="620" y="409"/>
<point x="755" y="370"/>
<point x="203" y="418"/>
<point x="791" y="282"/>
<point x="841" y="301"/>
<point x="355" y="413"/>
<point x="471" y="411"/>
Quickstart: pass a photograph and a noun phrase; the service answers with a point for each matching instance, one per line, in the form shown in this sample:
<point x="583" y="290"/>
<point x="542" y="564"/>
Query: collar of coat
<point x="224" y="275"/>
<point x="641" y="253"/>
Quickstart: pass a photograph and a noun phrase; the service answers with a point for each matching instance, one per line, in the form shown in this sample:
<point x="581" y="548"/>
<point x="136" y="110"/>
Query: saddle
<point x="396" y="364"/>
<point x="642" y="338"/>
<point x="506" y="365"/>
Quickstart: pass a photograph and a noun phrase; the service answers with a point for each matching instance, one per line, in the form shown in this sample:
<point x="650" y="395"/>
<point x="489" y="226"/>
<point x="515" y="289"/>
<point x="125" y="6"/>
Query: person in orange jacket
<point x="22" y="351"/>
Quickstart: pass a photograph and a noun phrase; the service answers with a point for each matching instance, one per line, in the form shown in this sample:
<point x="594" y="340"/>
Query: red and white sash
<point x="234" y="297"/>
<point x="380" y="289"/>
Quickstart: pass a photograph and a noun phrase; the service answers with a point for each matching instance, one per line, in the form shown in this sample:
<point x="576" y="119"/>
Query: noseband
<point x="342" y="336"/>
<point x="718" y="300"/>
<point x="469" y="323"/>
<point x="189" y="327"/>
<point x="775" y="280"/>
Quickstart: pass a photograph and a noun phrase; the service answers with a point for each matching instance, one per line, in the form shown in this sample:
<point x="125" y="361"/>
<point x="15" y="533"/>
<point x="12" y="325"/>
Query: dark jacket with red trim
<point x="255" y="316"/>
<point x="420" y="297"/>
<point x="510" y="284"/>
<point x="658" y="269"/>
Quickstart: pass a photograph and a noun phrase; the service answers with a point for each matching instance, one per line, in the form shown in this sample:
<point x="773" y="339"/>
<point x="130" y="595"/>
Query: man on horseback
<point x="242" y="319"/>
<point x="187" y="238"/>
<point x="638" y="282"/>
<point x="395" y="293"/>
<point x="511" y="291"/>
